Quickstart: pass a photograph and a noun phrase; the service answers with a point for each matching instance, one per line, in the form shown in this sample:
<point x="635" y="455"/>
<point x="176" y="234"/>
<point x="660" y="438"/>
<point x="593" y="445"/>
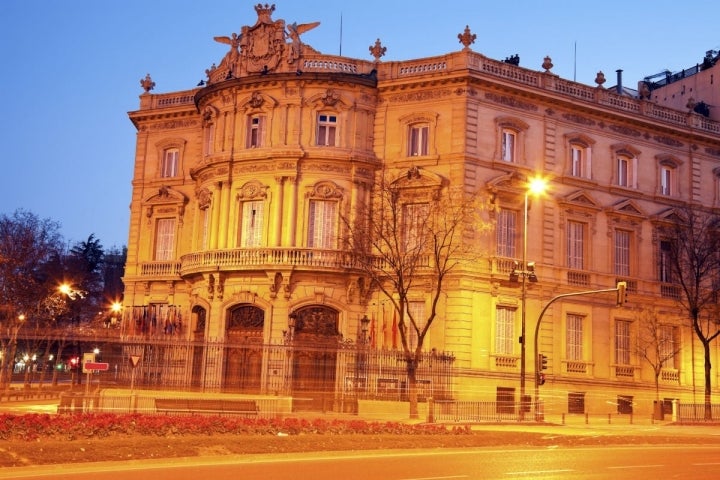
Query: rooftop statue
<point x="259" y="49"/>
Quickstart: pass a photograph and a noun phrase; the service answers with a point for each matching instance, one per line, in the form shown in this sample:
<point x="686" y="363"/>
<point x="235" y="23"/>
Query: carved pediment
<point x="166" y="195"/>
<point x="627" y="207"/>
<point x="669" y="216"/>
<point x="580" y="199"/>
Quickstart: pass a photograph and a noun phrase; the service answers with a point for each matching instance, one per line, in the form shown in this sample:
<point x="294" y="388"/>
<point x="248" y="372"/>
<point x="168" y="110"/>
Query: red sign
<point x="96" y="366"/>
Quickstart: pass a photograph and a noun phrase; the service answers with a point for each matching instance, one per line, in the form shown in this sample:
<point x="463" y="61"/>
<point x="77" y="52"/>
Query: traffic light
<point x="542" y="362"/>
<point x="621" y="293"/>
<point x="540" y="378"/>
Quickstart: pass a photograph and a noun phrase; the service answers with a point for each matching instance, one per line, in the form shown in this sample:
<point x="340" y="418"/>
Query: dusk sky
<point x="72" y="71"/>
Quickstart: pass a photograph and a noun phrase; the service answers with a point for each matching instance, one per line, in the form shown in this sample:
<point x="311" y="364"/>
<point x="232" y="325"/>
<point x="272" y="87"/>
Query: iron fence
<point x="344" y="373"/>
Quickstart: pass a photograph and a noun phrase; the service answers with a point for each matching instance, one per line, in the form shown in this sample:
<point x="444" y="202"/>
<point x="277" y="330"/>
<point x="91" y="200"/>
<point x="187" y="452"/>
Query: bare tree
<point x="657" y="343"/>
<point x="410" y="236"/>
<point x="26" y="245"/>
<point x="692" y="246"/>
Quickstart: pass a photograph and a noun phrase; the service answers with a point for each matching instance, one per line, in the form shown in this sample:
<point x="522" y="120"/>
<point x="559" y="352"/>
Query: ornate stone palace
<point x="237" y="278"/>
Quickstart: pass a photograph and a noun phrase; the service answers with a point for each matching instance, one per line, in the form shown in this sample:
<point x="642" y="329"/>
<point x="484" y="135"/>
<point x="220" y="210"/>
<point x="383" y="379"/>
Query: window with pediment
<point x="580" y="156"/>
<point x="511" y="140"/>
<point x="252" y="222"/>
<point x="668" y="176"/>
<point x="164" y="239"/>
<point x="170" y="152"/>
<point x="323" y="215"/>
<point x="169" y="164"/>
<point x="418" y="139"/>
<point x="626" y="167"/>
<point x="419" y="130"/>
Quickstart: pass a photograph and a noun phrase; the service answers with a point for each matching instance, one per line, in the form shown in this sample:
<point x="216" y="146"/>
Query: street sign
<point x="96" y="366"/>
<point x="87" y="358"/>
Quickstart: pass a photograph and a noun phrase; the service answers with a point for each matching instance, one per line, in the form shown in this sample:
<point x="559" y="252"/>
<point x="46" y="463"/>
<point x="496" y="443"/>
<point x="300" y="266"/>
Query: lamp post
<point x="535" y="186"/>
<point x="360" y="355"/>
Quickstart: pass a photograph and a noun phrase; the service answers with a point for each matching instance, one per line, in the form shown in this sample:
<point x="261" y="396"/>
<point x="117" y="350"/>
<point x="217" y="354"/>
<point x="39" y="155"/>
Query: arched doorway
<point x="315" y="341"/>
<point x="243" y="355"/>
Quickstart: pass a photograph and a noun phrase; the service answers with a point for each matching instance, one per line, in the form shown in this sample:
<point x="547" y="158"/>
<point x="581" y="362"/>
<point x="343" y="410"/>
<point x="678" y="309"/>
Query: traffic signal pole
<point x="621" y="290"/>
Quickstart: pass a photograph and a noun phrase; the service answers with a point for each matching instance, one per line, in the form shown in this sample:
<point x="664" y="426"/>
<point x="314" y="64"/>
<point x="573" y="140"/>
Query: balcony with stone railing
<point x="259" y="258"/>
<point x="625" y="372"/>
<point x="506" y="362"/>
<point x="578" y="367"/>
<point x="277" y="257"/>
<point x="670" y="375"/>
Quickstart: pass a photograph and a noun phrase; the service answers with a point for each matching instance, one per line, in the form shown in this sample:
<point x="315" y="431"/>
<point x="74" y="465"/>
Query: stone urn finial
<point x="377" y="50"/>
<point x="600" y="79"/>
<point x="146" y="83"/>
<point x="547" y="64"/>
<point x="466" y="38"/>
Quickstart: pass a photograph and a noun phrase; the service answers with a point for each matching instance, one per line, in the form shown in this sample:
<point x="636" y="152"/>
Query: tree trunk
<point x="7" y="371"/>
<point x="708" y="380"/>
<point x="412" y="388"/>
<point x="58" y="356"/>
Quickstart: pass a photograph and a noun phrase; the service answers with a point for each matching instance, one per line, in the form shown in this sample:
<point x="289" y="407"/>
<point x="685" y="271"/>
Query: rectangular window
<point x="417" y="309"/>
<point x="415" y="223"/>
<point x="625" y="172"/>
<point x="508" y="145"/>
<point x="622" y="253"/>
<point x="164" y="239"/>
<point x="418" y="140"/>
<point x="665" y="258"/>
<point x="327" y="128"/>
<point x="504" y="330"/>
<point x="622" y="342"/>
<point x="170" y="163"/>
<point x="668" y="345"/>
<point x="505" y="233"/>
<point x="209" y="139"/>
<point x="575" y="245"/>
<point x="322" y="224"/>
<point x="666" y="174"/>
<point x="577" y="157"/>
<point x="575" y="337"/>
<point x="251" y="224"/>
<point x="256" y="131"/>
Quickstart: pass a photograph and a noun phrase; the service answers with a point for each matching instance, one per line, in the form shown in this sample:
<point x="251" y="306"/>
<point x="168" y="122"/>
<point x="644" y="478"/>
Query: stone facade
<point x="240" y="185"/>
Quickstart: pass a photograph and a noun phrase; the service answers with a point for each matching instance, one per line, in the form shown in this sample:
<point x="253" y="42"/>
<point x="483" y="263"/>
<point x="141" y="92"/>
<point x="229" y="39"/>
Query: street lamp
<point x="535" y="186"/>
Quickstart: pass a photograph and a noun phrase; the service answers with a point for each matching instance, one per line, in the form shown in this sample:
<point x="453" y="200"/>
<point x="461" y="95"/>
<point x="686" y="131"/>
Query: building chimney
<point x="619" y="82"/>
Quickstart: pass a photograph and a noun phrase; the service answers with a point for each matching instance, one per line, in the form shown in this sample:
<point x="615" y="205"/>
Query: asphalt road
<point x="617" y="463"/>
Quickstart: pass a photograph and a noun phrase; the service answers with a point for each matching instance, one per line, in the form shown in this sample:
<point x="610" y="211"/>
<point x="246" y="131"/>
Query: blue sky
<point x="72" y="71"/>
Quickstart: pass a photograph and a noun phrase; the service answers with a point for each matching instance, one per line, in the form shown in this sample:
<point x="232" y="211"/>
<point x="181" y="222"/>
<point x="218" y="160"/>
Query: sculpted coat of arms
<point x="264" y="47"/>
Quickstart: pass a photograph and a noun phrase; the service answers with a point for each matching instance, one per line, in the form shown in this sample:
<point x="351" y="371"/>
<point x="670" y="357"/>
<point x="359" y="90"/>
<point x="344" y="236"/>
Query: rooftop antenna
<point x="341" y="34"/>
<point x="575" y="63"/>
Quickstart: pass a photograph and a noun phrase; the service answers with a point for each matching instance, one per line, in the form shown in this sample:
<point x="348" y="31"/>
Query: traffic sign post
<point x="96" y="366"/>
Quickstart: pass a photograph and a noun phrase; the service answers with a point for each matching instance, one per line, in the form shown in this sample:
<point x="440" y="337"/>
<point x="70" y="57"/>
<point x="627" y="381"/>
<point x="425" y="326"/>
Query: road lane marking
<point x="540" y="472"/>
<point x="635" y="466"/>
